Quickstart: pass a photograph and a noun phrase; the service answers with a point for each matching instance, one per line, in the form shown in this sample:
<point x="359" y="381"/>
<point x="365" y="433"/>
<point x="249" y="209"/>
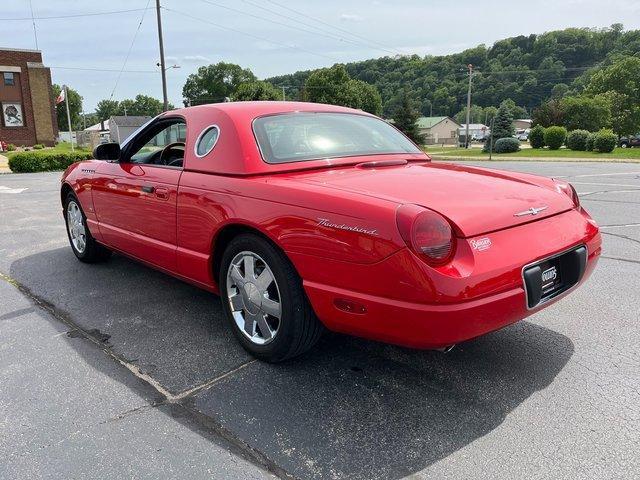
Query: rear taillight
<point x="427" y="233"/>
<point x="567" y="189"/>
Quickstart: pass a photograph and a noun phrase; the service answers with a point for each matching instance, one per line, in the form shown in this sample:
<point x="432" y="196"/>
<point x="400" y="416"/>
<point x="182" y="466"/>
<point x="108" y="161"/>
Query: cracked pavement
<point x="118" y="370"/>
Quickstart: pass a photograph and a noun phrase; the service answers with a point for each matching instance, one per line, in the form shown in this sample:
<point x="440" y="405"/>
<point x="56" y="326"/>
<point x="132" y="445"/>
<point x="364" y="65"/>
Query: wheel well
<point x="228" y="233"/>
<point x="64" y="191"/>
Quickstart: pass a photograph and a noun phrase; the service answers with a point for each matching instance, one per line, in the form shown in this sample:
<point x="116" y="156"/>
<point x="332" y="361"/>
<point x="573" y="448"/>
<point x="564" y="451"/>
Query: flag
<point x="60" y="98"/>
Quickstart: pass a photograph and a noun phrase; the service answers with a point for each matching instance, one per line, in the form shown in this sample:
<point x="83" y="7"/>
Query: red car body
<point x="336" y="220"/>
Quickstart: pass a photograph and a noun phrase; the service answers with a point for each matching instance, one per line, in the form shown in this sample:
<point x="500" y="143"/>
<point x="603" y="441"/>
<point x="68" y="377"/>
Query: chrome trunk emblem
<point x="531" y="211"/>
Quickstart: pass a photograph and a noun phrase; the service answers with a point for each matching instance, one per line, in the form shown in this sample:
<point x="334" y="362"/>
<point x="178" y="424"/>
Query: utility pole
<point x="162" y="68"/>
<point x="466" y="135"/>
<point x="284" y="97"/>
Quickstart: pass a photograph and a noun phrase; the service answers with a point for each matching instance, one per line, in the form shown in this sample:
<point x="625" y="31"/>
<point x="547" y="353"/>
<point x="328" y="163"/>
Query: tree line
<point x="578" y="78"/>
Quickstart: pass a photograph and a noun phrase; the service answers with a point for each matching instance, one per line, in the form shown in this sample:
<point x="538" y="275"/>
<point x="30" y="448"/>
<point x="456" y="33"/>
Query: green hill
<point x="527" y="69"/>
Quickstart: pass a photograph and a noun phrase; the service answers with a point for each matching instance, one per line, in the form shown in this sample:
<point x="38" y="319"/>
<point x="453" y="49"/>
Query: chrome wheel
<point x="75" y="225"/>
<point x="254" y="297"/>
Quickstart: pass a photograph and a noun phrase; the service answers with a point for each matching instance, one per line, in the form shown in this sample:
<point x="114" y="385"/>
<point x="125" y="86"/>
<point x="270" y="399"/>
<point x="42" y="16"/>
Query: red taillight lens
<point x="567" y="189"/>
<point x="427" y="233"/>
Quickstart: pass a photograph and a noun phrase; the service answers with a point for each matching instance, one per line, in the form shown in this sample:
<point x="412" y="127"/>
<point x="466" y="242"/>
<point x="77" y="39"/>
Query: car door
<point x="135" y="198"/>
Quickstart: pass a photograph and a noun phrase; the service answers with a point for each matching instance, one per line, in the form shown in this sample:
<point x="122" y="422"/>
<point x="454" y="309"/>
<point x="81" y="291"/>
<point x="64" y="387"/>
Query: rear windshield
<point x="295" y="137"/>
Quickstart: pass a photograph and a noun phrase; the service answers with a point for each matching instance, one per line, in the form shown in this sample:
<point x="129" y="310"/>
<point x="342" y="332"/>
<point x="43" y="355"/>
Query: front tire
<point x="264" y="302"/>
<point x="84" y="246"/>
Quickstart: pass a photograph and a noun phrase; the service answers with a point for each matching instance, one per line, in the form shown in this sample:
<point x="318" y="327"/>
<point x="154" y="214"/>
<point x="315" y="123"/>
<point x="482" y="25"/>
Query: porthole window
<point x="207" y="140"/>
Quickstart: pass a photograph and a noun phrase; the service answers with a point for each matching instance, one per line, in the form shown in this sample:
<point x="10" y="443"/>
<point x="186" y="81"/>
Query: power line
<point x="297" y="12"/>
<point x="89" y="69"/>
<point x="126" y="59"/>
<point x="332" y="34"/>
<point x="76" y="15"/>
<point x="257" y="37"/>
<point x="241" y="12"/>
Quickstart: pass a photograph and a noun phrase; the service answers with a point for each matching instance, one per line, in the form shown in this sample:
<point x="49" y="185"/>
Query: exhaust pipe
<point x="446" y="349"/>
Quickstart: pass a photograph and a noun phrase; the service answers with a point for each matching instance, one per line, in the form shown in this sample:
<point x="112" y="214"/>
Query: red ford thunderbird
<point x="304" y="217"/>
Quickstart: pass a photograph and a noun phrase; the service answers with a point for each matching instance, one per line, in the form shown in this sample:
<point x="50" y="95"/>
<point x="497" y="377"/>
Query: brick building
<point x="28" y="115"/>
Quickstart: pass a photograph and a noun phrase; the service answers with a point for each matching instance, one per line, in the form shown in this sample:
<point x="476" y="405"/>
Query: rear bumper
<point x="425" y="326"/>
<point x="442" y="320"/>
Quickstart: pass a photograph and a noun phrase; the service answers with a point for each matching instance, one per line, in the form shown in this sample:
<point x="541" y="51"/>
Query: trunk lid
<point x="476" y="200"/>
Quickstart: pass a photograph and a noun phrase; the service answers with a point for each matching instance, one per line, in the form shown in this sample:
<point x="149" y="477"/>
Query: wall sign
<point x="12" y="114"/>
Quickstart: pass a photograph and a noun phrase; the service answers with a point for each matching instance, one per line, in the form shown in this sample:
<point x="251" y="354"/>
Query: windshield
<point x="295" y="137"/>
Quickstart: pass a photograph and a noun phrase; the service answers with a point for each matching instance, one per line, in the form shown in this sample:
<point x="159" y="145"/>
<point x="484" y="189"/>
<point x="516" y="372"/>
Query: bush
<point x="605" y="141"/>
<point x="11" y="147"/>
<point x="577" y="140"/>
<point x="24" y="162"/>
<point x="506" y="145"/>
<point x="536" y="137"/>
<point x="38" y="146"/>
<point x="589" y="143"/>
<point x="554" y="137"/>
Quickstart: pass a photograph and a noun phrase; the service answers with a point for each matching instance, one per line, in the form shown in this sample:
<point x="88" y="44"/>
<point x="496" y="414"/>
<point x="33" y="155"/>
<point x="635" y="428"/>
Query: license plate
<point x="549" y="278"/>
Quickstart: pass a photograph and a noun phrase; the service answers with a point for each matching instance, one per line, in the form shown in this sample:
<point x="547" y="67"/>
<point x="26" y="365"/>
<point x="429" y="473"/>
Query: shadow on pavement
<point x="348" y="409"/>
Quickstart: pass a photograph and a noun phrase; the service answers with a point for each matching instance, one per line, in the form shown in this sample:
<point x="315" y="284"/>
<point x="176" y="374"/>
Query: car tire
<point x="84" y="246"/>
<point x="252" y="302"/>
<point x="624" y="145"/>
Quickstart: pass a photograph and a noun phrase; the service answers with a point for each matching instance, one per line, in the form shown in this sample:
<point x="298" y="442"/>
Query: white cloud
<point x="196" y="59"/>
<point x="350" y="17"/>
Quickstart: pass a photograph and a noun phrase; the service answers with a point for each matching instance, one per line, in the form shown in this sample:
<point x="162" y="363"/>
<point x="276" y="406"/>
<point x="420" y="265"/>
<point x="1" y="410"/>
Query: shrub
<point x="24" y="162"/>
<point x="577" y="140"/>
<point x="536" y="137"/>
<point x="589" y="143"/>
<point x="554" y="137"/>
<point x="605" y="141"/>
<point x="506" y="145"/>
<point x="38" y="146"/>
<point x="11" y="147"/>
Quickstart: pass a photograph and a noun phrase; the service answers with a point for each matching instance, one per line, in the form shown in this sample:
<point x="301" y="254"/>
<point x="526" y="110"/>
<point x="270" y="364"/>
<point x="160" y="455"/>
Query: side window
<point x="9" y="78"/>
<point x="163" y="145"/>
<point x="207" y="140"/>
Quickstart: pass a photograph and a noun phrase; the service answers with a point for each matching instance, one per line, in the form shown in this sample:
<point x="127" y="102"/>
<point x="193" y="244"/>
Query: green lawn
<point x="622" y="154"/>
<point x="60" y="147"/>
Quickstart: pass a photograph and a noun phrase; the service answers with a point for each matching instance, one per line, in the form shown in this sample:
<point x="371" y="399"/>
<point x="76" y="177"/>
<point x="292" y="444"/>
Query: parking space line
<point x="608" y="184"/>
<point x="598" y="175"/>
<point x="622" y="225"/>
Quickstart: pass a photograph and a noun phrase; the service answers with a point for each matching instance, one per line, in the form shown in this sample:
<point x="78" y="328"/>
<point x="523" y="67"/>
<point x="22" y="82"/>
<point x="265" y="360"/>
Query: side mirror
<point x="107" y="151"/>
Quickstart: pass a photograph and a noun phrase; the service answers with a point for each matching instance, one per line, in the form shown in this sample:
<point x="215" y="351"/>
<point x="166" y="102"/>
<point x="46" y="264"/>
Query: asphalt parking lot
<point x="115" y="369"/>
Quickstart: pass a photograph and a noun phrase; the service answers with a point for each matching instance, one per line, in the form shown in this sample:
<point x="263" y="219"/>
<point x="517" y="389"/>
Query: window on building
<point x="9" y="78"/>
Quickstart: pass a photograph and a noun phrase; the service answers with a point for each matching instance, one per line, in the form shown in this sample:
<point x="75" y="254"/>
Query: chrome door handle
<point x="148" y="188"/>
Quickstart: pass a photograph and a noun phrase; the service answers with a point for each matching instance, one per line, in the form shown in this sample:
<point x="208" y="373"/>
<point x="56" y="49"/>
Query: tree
<point x="142" y="105"/>
<point x="548" y="114"/>
<point x="515" y="110"/>
<point x="502" y="126"/>
<point x="146" y="105"/>
<point x="405" y="118"/>
<point x="257" y="90"/>
<point x="586" y="112"/>
<point x="214" y="83"/>
<point x="106" y="108"/>
<point x="335" y="87"/>
<point x="620" y="82"/>
<point x="75" y="109"/>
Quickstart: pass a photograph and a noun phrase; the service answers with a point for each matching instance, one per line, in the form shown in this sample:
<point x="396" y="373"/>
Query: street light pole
<point x="162" y="67"/>
<point x="466" y="135"/>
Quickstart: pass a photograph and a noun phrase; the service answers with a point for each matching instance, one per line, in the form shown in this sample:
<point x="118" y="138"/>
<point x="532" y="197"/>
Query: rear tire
<point x="264" y="302"/>
<point x="84" y="246"/>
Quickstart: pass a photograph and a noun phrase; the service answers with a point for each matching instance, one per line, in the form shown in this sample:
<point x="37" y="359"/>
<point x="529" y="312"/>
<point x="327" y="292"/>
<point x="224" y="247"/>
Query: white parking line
<point x="608" y="184"/>
<point x="598" y="175"/>
<point x="4" y="189"/>
<point x="621" y="226"/>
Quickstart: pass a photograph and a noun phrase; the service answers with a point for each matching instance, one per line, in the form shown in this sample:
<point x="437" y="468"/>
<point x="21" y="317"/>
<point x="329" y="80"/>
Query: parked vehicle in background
<point x="631" y="141"/>
<point x="522" y="134"/>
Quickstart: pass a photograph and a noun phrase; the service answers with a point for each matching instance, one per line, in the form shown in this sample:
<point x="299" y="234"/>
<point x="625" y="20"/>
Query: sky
<point x="270" y="37"/>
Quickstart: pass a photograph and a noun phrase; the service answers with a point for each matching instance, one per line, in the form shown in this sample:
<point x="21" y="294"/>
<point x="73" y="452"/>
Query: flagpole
<point x="66" y="101"/>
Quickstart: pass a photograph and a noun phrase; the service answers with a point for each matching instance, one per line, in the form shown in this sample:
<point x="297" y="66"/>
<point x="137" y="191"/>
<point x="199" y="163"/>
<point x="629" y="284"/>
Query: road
<point x="115" y="369"/>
